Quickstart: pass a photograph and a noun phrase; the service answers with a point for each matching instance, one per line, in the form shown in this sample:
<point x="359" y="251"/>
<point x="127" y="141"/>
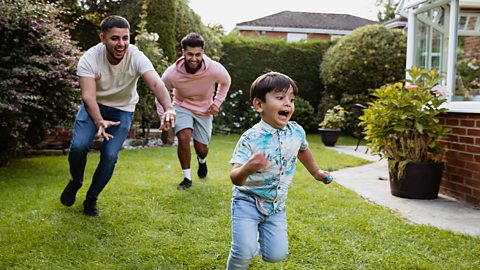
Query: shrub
<point x="365" y="59"/>
<point x="402" y="122"/>
<point x="305" y="115"/>
<point x="37" y="73"/>
<point x="335" y="118"/>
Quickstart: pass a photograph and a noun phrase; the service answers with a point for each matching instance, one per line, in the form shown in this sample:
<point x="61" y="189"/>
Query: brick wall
<point x="461" y="176"/>
<point x="280" y="35"/>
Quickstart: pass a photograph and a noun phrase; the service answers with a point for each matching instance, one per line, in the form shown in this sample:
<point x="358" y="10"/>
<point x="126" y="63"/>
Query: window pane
<point x="468" y="69"/>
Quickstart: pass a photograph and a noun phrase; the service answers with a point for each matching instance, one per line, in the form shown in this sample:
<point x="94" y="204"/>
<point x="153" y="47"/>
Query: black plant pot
<point x="420" y="181"/>
<point x="329" y="135"/>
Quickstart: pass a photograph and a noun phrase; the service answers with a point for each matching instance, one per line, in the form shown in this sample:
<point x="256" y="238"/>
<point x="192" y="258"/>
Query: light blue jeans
<point x="251" y="229"/>
<point x="84" y="131"/>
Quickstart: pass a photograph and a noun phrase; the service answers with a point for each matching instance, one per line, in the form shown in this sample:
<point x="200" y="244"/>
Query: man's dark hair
<point x="114" y="21"/>
<point x="192" y="40"/>
<point x="271" y="81"/>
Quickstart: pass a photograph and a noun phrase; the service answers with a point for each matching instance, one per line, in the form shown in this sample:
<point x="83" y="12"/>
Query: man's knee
<point x="184" y="135"/>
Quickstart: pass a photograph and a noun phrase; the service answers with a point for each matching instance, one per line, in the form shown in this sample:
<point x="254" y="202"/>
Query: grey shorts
<point x="201" y="126"/>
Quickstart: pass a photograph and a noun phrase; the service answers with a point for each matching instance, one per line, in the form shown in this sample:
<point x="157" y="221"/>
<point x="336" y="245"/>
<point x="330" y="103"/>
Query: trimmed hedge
<point x="246" y="59"/>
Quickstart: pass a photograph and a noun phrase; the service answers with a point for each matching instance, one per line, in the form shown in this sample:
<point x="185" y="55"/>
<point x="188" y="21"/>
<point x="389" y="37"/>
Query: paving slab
<point x="371" y="182"/>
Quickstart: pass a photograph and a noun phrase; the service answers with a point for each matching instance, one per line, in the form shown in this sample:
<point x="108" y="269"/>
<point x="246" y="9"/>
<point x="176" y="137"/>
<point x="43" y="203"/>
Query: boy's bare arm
<point x="306" y="157"/>
<point x="240" y="172"/>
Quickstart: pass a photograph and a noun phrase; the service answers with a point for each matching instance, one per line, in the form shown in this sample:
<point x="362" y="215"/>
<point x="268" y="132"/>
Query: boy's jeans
<point x="84" y="131"/>
<point x="251" y="228"/>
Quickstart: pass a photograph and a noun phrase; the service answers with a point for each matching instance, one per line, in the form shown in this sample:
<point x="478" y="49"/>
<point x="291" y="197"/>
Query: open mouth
<point x="119" y="51"/>
<point x="283" y="114"/>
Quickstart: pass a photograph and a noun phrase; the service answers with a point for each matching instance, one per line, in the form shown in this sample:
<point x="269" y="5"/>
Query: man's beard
<point x="192" y="70"/>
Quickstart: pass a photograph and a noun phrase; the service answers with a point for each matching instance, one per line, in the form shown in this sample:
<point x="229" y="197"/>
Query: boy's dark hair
<point x="271" y="81"/>
<point x="114" y="21"/>
<point x="192" y="40"/>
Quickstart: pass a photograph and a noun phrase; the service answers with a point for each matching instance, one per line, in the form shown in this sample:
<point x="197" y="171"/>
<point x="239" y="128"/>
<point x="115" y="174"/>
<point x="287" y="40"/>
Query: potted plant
<point x="401" y="125"/>
<point x="331" y="125"/>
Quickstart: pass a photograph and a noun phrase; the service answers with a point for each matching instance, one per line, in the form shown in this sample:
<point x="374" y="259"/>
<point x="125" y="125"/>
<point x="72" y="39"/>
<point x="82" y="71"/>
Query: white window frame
<point x="296" y="37"/>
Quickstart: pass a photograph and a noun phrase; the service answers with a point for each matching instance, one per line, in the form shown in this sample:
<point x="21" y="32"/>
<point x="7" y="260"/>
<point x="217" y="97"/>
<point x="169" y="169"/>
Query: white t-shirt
<point x="116" y="84"/>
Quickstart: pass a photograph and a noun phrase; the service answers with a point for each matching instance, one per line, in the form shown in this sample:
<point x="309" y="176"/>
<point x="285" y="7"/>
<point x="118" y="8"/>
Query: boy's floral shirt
<point x="269" y="187"/>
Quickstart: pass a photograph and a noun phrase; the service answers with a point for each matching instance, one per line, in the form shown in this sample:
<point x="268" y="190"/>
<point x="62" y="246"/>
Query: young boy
<point x="263" y="165"/>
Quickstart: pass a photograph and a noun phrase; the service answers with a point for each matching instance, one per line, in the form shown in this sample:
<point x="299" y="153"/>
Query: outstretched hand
<point x="322" y="175"/>
<point x="102" y="126"/>
<point x="167" y="121"/>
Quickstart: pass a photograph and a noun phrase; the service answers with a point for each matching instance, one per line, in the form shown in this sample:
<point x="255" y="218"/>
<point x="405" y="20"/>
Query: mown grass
<point x="147" y="224"/>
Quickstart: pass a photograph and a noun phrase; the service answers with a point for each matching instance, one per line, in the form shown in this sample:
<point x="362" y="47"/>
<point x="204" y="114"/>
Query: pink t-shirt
<point x="195" y="91"/>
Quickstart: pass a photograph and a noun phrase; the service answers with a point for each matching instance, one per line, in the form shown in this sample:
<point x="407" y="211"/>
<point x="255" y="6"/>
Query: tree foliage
<point x="37" y="72"/>
<point x="188" y="21"/>
<point x="161" y="19"/>
<point x="387" y="9"/>
<point x="145" y="112"/>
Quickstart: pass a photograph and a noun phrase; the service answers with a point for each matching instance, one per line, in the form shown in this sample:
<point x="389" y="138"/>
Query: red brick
<point x="473" y="182"/>
<point x="459" y="131"/>
<point x="473" y="116"/>
<point x="452" y="122"/>
<point x="457" y="115"/>
<point x="465" y="156"/>
<point x="457" y="146"/>
<point x="457" y="163"/>
<point x="473" y="166"/>
<point x="473" y="149"/>
<point x="468" y="140"/>
<point x="473" y="132"/>
<point x="467" y="123"/>
<point x="466" y="173"/>
<point x="452" y="138"/>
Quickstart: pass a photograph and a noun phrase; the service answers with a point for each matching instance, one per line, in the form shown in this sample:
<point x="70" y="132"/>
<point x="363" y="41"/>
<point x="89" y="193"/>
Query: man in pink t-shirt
<point x="193" y="79"/>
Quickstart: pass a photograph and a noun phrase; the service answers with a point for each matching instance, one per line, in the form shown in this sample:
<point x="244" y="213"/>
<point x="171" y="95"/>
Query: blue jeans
<point x="84" y="131"/>
<point x="251" y="229"/>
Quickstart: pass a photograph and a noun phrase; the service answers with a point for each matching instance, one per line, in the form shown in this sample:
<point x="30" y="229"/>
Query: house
<point x="445" y="35"/>
<point x="298" y="26"/>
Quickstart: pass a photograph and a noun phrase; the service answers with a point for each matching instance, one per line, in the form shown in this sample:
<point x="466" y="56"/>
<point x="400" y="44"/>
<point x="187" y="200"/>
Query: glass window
<point x="467" y="86"/>
<point x="293" y="37"/>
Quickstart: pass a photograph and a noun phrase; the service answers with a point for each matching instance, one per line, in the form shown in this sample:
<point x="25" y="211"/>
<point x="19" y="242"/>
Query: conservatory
<point x="431" y="24"/>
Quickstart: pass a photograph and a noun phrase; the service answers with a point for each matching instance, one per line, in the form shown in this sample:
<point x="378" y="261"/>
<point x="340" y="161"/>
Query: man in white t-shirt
<point x="108" y="75"/>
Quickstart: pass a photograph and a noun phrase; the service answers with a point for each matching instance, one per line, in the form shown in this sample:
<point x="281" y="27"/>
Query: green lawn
<point x="146" y="223"/>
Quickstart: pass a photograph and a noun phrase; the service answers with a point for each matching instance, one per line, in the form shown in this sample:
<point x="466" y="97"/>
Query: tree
<point x="188" y="21"/>
<point x="37" y="74"/>
<point x="161" y="19"/>
<point x="387" y="9"/>
<point x="145" y="111"/>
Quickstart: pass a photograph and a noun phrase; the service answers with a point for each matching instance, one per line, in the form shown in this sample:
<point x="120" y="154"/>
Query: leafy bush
<point x="231" y="118"/>
<point x="402" y="122"/>
<point x="305" y="115"/>
<point x="367" y="58"/>
<point x="37" y="72"/>
<point x="334" y="118"/>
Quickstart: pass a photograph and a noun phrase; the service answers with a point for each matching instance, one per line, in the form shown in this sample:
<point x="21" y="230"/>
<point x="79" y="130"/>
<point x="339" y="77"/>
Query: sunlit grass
<point x="146" y="223"/>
